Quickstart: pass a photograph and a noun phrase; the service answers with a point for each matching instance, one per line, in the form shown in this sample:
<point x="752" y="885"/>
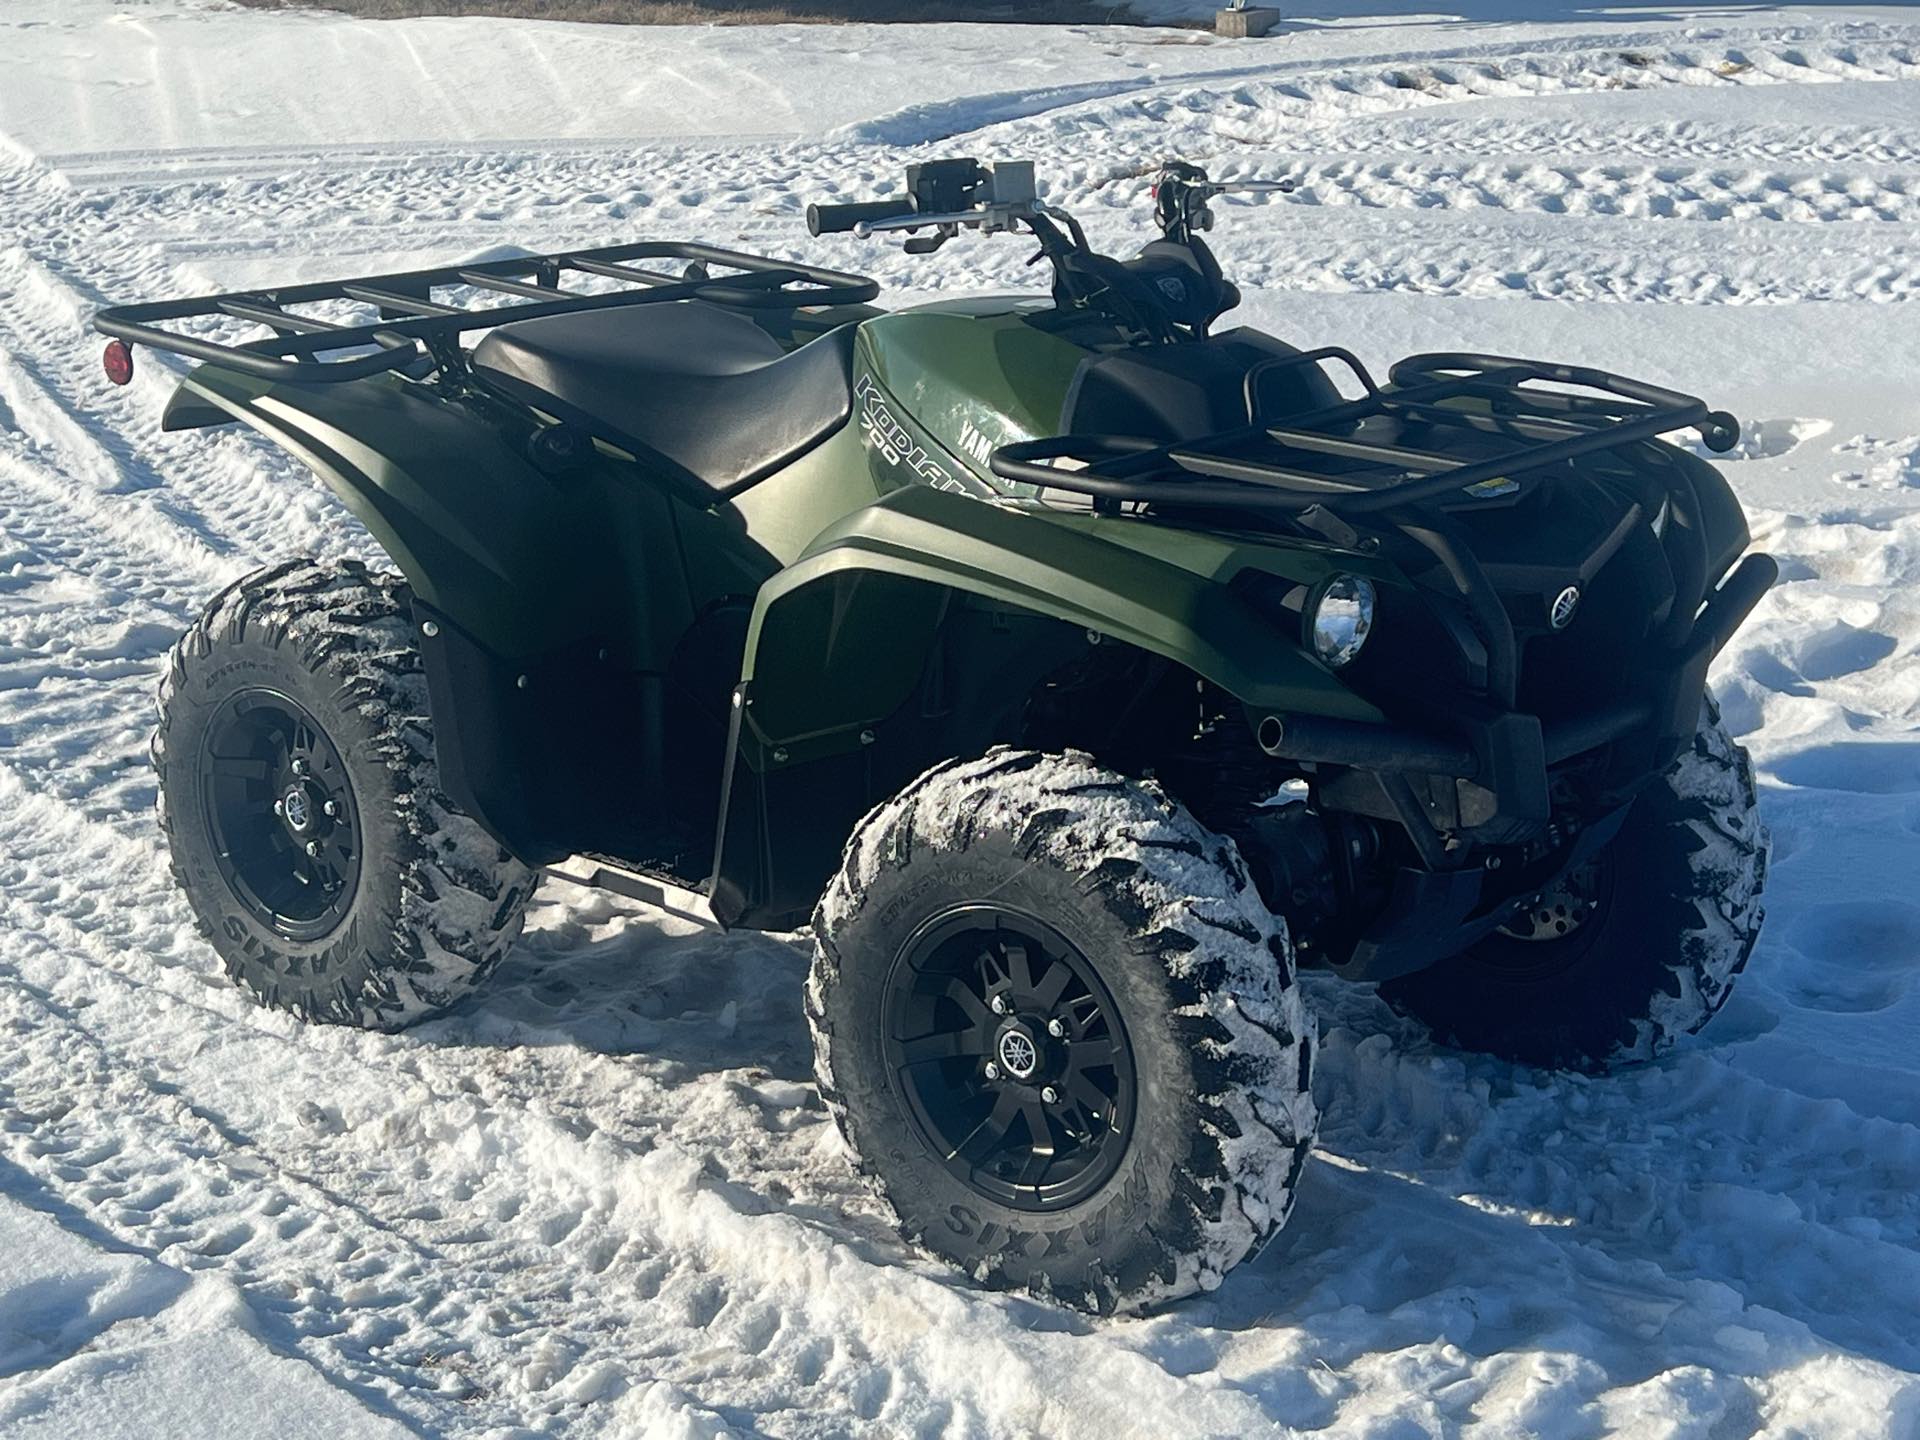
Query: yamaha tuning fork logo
<point x="1560" y="613"/>
<point x="1019" y="1054"/>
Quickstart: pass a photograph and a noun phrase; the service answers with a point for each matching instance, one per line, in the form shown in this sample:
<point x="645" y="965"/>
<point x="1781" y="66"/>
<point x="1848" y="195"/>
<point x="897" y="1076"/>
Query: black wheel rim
<point x="1011" y="1056"/>
<point x="280" y="809"/>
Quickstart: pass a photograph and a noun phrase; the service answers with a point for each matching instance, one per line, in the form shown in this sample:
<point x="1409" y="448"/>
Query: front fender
<point x="838" y="638"/>
<point x="850" y="687"/>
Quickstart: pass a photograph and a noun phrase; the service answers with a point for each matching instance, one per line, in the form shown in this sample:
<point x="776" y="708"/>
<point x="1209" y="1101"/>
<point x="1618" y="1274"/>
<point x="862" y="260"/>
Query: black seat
<point x="703" y="387"/>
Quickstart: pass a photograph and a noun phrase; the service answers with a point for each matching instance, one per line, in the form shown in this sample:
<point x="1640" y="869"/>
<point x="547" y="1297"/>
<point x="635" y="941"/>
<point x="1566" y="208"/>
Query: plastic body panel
<point x="528" y="562"/>
<point x="1159" y="589"/>
<point x="553" y="605"/>
<point x="974" y="374"/>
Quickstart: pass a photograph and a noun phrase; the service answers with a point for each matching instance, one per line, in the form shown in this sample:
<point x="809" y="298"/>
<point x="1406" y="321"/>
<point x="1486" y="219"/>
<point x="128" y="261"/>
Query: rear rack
<point x="1326" y="459"/>
<point x="415" y="328"/>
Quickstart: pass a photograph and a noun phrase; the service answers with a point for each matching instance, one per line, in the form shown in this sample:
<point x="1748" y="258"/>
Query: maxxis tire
<point x="1199" y="970"/>
<point x="1684" y="913"/>
<point x="437" y="901"/>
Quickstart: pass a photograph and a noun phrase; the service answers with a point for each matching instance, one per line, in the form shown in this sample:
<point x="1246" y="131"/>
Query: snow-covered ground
<point x="602" y="1198"/>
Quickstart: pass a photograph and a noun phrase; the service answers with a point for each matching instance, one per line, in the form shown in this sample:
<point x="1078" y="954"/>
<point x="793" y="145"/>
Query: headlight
<point x="1339" y="618"/>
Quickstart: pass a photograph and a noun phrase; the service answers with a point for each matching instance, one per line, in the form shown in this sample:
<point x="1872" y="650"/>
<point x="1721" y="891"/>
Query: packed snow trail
<point x="602" y="1198"/>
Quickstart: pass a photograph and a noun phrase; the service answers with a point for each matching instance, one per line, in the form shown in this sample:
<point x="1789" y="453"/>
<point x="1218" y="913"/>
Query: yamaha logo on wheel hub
<point x="297" y="809"/>
<point x="1560" y="613"/>
<point x="1019" y="1056"/>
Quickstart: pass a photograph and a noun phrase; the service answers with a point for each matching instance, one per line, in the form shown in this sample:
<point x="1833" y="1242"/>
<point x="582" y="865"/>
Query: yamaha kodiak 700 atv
<point x="1076" y="668"/>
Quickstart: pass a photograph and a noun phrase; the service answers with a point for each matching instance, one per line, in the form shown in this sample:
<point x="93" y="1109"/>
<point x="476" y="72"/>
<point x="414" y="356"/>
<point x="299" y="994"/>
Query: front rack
<point x="1478" y="406"/>
<point x="414" y="329"/>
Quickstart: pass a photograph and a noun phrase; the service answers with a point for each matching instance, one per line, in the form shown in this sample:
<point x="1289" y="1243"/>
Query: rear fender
<point x="555" y="599"/>
<point x="445" y="487"/>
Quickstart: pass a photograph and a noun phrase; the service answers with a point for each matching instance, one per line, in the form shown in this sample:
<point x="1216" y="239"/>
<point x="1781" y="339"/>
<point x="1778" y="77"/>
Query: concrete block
<point x="1246" y="24"/>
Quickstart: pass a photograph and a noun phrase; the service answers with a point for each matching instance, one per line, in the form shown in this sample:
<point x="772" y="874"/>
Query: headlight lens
<point x="1340" y="617"/>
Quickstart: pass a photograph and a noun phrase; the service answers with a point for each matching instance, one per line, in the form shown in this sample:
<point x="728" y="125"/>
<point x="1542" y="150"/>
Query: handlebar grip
<point x="831" y="219"/>
<point x="1720" y="431"/>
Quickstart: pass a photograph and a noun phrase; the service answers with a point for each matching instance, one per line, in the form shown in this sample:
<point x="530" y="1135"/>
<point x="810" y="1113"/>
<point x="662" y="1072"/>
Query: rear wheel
<point x="1061" y="1032"/>
<point x="1627" y="954"/>
<point x="301" y="804"/>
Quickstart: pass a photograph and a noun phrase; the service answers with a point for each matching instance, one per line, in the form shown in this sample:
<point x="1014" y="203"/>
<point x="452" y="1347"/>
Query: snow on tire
<point x="301" y="803"/>
<point x="1659" y="956"/>
<point x="1719" y="806"/>
<point x="1088" y="907"/>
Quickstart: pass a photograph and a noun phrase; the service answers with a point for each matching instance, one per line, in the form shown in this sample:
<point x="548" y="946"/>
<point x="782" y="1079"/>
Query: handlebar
<point x="985" y="218"/>
<point x="834" y="219"/>
<point x="945" y="197"/>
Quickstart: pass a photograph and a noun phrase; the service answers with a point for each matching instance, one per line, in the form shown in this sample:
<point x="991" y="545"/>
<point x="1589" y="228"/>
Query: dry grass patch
<point x="731" y="12"/>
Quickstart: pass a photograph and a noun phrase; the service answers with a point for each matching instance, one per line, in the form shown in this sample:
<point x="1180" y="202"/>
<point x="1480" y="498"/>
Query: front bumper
<point x="1508" y="754"/>
<point x="1483" y="791"/>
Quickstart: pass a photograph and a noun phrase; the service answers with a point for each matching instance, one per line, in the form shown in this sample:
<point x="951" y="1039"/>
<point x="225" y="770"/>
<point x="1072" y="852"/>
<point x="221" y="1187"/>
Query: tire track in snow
<point x="1592" y="61"/>
<point x="189" y="499"/>
<point x="1666" y="192"/>
<point x="1194" y="116"/>
<point x="1865" y="247"/>
<point x="1657" y="1169"/>
<point x="1691" y="141"/>
<point x="230" y="1178"/>
<point x="103" y="541"/>
<point x="1183" y="116"/>
<point x="1345" y="245"/>
<point x="1479" y="255"/>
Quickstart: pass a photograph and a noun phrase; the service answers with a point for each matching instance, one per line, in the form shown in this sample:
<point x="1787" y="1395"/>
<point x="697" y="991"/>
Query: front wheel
<point x="1061" y="1032"/>
<point x="1624" y="956"/>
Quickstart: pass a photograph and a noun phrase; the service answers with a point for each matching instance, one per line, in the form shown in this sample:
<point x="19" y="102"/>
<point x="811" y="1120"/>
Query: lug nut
<point x="993" y="1071"/>
<point x="1049" y="1094"/>
<point x="280" y="807"/>
<point x="1056" y="1029"/>
<point x="999" y="1004"/>
<point x="299" y="766"/>
<point x="313" y="847"/>
<point x="330" y="809"/>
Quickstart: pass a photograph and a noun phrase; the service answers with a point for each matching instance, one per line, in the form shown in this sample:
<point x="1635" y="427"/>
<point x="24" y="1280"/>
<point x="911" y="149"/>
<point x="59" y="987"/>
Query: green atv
<point x="1076" y="670"/>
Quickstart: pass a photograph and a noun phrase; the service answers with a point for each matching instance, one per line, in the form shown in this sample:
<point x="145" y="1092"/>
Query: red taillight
<point x="118" y="362"/>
